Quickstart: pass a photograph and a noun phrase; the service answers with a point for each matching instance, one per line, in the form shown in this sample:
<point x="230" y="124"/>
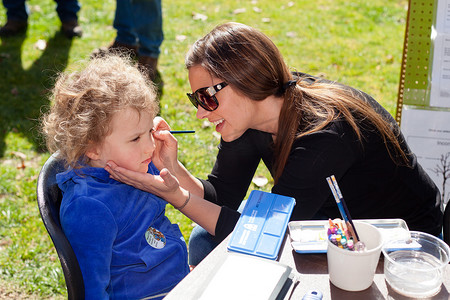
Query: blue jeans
<point x="139" y="23"/>
<point x="201" y="243"/>
<point x="18" y="10"/>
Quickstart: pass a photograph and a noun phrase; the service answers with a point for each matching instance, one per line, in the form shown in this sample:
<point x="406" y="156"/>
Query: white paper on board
<point x="427" y="132"/>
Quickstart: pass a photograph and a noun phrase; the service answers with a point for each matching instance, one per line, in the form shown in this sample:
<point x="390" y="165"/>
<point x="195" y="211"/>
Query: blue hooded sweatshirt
<point x="124" y="243"/>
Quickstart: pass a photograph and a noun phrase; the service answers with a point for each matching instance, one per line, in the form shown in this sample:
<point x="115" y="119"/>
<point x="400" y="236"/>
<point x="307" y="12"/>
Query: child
<point x="125" y="245"/>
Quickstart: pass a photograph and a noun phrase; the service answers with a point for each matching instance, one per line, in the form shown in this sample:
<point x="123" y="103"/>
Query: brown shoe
<point x="71" y="29"/>
<point x="115" y="47"/>
<point x="13" y="27"/>
<point x="149" y="65"/>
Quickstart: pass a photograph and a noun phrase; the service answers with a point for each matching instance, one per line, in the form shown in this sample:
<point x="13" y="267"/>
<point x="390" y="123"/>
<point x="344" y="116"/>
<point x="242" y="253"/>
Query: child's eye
<point x="136" y="139"/>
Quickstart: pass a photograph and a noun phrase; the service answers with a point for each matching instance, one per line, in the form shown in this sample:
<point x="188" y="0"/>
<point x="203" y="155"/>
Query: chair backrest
<point x="49" y="201"/>
<point x="446" y="224"/>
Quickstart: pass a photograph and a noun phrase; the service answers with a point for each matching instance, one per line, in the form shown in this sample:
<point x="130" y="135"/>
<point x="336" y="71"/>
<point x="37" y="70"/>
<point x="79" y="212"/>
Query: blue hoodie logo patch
<point x="155" y="238"/>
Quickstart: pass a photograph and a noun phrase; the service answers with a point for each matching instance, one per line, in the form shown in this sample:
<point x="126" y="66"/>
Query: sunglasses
<point x="205" y="96"/>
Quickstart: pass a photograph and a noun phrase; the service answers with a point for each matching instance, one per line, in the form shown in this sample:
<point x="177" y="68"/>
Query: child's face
<point x="130" y="143"/>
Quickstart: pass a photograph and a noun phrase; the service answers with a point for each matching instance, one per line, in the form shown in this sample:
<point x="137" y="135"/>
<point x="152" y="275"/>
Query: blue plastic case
<point x="262" y="225"/>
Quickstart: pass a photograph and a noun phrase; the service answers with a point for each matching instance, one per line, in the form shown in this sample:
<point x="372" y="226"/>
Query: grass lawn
<point x="355" y="42"/>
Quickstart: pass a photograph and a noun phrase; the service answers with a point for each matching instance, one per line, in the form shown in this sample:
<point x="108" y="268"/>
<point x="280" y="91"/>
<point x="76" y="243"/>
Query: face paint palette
<point x="311" y="236"/>
<point x="262" y="226"/>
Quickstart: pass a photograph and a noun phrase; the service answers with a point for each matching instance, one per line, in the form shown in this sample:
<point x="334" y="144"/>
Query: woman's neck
<point x="267" y="114"/>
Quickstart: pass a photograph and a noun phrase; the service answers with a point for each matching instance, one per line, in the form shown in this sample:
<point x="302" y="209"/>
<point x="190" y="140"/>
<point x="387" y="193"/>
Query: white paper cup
<point x="353" y="270"/>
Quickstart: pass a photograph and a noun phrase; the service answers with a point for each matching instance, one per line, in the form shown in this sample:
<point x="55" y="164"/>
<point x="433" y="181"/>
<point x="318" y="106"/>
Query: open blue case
<point x="262" y="225"/>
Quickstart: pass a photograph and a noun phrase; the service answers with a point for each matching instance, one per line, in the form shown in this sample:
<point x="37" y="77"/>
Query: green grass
<point x="355" y="42"/>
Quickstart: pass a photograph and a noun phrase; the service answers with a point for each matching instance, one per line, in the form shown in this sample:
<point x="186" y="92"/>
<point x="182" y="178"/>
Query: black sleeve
<point x="226" y="223"/>
<point x="209" y="193"/>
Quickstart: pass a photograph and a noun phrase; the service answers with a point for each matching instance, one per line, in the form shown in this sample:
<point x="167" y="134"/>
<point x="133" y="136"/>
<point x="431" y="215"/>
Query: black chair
<point x="446" y="225"/>
<point x="49" y="201"/>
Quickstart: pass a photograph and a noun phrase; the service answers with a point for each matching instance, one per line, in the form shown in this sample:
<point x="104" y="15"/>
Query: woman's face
<point x="234" y="114"/>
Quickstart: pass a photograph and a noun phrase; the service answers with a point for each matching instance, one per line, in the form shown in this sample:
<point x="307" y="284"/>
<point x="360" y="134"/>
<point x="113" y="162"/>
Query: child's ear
<point x="93" y="152"/>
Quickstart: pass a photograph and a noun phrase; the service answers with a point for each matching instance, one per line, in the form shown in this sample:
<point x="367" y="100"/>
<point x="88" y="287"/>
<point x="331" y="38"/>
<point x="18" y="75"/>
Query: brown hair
<point x="249" y="61"/>
<point x="84" y="102"/>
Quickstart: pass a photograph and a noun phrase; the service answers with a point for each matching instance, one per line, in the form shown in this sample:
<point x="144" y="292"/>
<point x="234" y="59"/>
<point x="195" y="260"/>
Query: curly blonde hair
<point x="84" y="102"/>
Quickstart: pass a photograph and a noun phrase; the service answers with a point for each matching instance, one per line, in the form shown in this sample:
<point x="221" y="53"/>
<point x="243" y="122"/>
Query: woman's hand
<point x="166" y="151"/>
<point x="165" y="185"/>
<point x="165" y="156"/>
<point x="160" y="124"/>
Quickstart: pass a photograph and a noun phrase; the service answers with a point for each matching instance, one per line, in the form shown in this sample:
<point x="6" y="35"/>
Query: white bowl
<point x="415" y="266"/>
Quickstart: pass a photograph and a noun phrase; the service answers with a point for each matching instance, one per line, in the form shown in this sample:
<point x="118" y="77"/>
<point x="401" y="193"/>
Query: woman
<point x="303" y="128"/>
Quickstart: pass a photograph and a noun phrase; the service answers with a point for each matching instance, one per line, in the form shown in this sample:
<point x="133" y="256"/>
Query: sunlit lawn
<point x="355" y="42"/>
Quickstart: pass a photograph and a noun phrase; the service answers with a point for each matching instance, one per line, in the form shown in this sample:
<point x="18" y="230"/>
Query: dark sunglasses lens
<point x="192" y="99"/>
<point x="206" y="101"/>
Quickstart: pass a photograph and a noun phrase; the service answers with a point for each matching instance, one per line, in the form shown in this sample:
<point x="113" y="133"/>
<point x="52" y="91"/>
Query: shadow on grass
<point x="24" y="93"/>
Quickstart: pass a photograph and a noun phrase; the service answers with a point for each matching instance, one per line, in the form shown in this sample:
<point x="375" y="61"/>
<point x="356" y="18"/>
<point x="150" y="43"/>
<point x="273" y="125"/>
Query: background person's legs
<point x="16" y="17"/>
<point x="124" y="25"/>
<point x="147" y="16"/>
<point x="67" y="12"/>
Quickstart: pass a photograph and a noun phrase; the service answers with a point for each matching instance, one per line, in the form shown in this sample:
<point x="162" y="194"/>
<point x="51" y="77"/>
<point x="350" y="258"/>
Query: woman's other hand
<point x="164" y="185"/>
